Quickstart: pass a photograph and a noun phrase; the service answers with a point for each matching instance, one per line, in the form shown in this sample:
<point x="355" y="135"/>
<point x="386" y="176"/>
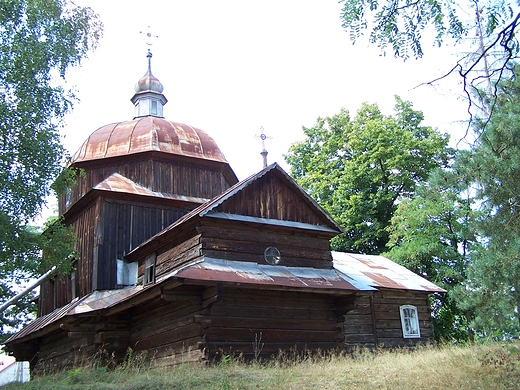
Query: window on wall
<point x="74" y="291"/>
<point x="149" y="270"/>
<point x="410" y="321"/>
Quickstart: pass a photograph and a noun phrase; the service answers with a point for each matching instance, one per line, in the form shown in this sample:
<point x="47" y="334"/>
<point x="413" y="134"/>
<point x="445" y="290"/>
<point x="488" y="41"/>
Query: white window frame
<point x="410" y="322"/>
<point x="149" y="270"/>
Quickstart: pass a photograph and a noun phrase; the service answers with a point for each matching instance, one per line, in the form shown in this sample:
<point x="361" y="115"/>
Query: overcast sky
<point x="232" y="66"/>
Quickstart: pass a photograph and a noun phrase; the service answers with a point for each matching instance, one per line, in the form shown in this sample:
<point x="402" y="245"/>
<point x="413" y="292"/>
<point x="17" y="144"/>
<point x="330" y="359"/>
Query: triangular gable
<point x="272" y="195"/>
<point x="213" y="207"/>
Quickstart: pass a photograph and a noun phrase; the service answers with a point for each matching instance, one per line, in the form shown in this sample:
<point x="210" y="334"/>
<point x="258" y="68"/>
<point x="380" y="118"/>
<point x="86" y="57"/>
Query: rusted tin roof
<point x="119" y="183"/>
<point x="351" y="273"/>
<point x="94" y="301"/>
<point x="378" y="271"/>
<point x="274" y="276"/>
<point x="148" y="134"/>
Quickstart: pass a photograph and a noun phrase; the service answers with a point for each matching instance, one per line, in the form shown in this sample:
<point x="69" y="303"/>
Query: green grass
<point x="490" y="366"/>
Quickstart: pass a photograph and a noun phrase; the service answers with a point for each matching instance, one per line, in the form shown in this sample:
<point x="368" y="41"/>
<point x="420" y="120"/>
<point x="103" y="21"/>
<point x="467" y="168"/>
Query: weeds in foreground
<point x="494" y="366"/>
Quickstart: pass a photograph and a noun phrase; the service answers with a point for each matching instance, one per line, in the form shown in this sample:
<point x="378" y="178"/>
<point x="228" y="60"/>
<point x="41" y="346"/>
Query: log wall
<point x="259" y="323"/>
<point x="169" y="331"/>
<point x="376" y="320"/>
<point x="236" y="242"/>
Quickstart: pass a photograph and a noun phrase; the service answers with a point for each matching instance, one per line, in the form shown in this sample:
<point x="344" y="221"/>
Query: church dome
<point x="148" y="134"/>
<point x="148" y="131"/>
<point x="149" y="83"/>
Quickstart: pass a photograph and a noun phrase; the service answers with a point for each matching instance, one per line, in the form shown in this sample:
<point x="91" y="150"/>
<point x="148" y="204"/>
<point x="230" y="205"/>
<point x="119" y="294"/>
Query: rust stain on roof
<point x="148" y="134"/>
<point x="118" y="183"/>
<point x="242" y="272"/>
<point x="96" y="300"/>
<point x="378" y="271"/>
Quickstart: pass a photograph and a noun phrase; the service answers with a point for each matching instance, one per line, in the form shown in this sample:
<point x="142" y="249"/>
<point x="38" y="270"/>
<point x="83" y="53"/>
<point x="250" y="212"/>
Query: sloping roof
<point x="94" y="301"/>
<point x="378" y="271"/>
<point x="352" y="273"/>
<point x="208" y="208"/>
<point x="118" y="183"/>
<point x="245" y="272"/>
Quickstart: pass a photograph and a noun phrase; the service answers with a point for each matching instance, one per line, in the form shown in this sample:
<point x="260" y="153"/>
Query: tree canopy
<point x="493" y="284"/>
<point x="404" y="26"/>
<point x="431" y="235"/>
<point x="461" y="229"/>
<point x="39" y="41"/>
<point x="357" y="168"/>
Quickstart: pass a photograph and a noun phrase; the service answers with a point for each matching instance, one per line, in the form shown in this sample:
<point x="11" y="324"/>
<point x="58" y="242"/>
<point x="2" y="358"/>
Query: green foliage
<point x="39" y="41"/>
<point x="430" y="234"/>
<point x="401" y="24"/>
<point x="494" y="165"/>
<point x="357" y="169"/>
<point x="462" y="228"/>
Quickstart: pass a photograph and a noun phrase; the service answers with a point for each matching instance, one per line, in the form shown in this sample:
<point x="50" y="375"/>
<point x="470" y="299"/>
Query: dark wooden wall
<point x="124" y="226"/>
<point x="156" y="175"/>
<point x="279" y="320"/>
<point x="169" y="331"/>
<point x="58" y="292"/>
<point x="101" y="241"/>
<point x="236" y="241"/>
<point x="376" y="320"/>
<point x="270" y="197"/>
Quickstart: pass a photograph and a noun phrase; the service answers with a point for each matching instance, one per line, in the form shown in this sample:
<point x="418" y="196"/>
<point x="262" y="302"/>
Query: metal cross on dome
<point x="148" y="37"/>
<point x="263" y="137"/>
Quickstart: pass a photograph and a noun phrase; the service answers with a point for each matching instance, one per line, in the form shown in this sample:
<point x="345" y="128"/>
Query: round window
<point x="272" y="255"/>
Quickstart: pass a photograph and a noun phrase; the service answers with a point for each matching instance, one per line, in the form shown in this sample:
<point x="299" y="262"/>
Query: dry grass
<point x="491" y="366"/>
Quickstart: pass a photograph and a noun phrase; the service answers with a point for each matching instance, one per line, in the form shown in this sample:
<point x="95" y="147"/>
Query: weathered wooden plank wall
<point x="158" y="175"/>
<point x="125" y="226"/>
<point x="376" y="320"/>
<point x="268" y="197"/>
<point x="58" y="292"/>
<point x="235" y="241"/>
<point x="170" y="332"/>
<point x="277" y="320"/>
<point x="58" y="351"/>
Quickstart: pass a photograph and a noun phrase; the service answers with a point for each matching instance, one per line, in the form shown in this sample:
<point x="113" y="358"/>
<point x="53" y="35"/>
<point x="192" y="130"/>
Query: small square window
<point x="149" y="270"/>
<point x="410" y="321"/>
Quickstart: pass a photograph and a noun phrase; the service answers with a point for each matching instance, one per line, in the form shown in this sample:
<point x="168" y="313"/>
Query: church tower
<point x="134" y="178"/>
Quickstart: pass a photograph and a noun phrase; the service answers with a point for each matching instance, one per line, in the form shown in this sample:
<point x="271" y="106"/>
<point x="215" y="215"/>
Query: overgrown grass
<point x="491" y="366"/>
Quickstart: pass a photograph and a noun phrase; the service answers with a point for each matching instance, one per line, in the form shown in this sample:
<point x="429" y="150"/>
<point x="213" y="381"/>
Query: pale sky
<point x="231" y="66"/>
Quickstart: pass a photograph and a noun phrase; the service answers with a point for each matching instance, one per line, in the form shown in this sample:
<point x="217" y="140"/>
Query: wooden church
<point x="179" y="260"/>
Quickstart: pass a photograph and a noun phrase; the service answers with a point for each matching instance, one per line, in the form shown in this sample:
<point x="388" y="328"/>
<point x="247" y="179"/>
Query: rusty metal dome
<point x="149" y="82"/>
<point x="145" y="134"/>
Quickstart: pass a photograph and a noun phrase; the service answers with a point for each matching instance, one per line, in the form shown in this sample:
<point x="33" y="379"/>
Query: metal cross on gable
<point x="263" y="137"/>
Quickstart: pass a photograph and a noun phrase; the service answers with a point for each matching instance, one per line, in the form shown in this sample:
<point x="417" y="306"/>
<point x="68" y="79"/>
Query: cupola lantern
<point x="148" y="99"/>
